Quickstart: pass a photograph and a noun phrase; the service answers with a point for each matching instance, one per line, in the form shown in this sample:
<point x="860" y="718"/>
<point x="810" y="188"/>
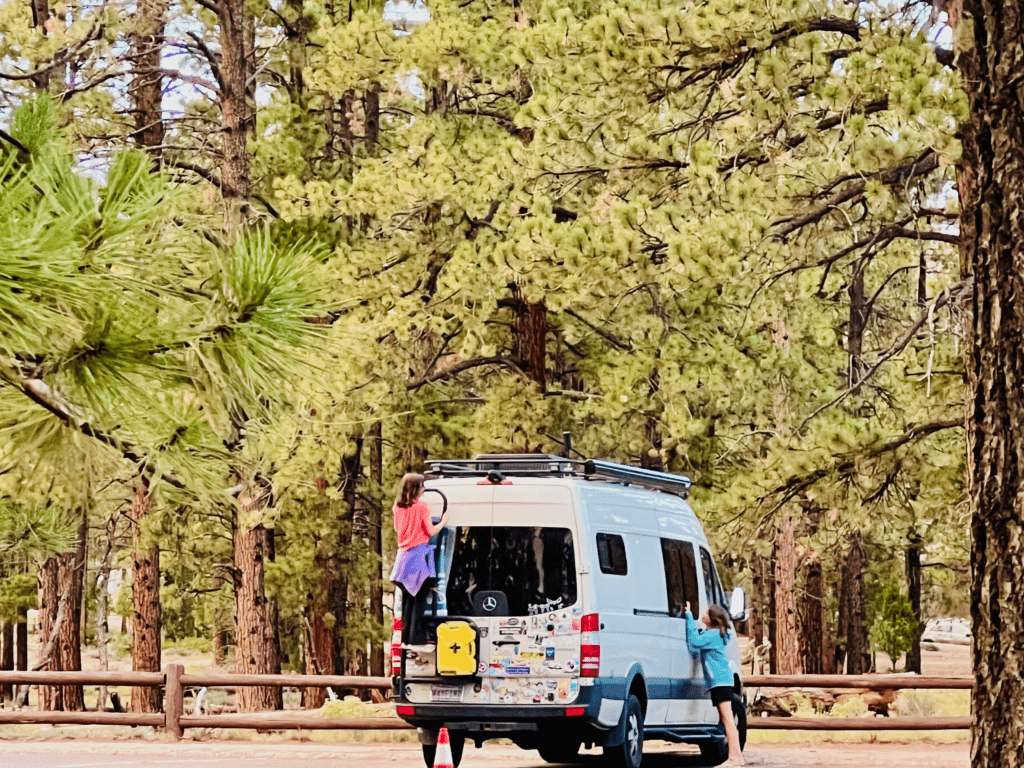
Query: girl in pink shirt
<point x="412" y="517"/>
<point x="414" y="563"/>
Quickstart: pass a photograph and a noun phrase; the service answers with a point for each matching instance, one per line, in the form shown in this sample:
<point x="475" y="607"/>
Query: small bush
<point x="895" y="626"/>
<point x="193" y="644"/>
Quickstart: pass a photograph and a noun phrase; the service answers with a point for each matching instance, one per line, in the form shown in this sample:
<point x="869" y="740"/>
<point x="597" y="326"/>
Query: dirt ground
<point x="278" y="755"/>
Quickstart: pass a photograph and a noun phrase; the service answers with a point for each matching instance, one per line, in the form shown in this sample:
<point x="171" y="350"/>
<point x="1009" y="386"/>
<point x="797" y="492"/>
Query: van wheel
<point x="717" y="752"/>
<point x="631" y="751"/>
<point x="458" y="745"/>
<point x="560" y="751"/>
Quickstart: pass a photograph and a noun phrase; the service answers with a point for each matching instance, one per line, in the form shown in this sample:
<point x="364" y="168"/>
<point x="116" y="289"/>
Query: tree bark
<point x="770" y="623"/>
<point x="318" y="635"/>
<point x="49" y="695"/>
<point x="255" y="641"/>
<point x="856" y="327"/>
<point x="990" y="182"/>
<point x="71" y="580"/>
<point x="757" y="608"/>
<point x="530" y="340"/>
<point x="146" y="615"/>
<point x="338" y="593"/>
<point x="786" y="638"/>
<point x="376" y="440"/>
<point x="7" y="660"/>
<point x="103" y="607"/>
<point x="21" y="646"/>
<point x="238" y="110"/>
<point x="853" y="610"/>
<point x="40" y="15"/>
<point x="914" y="592"/>
<point x="146" y="86"/>
<point x="812" y="625"/>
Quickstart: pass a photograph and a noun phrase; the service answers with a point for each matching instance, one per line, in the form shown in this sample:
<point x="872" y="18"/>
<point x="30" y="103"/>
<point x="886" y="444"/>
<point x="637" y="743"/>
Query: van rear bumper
<point x="497" y="718"/>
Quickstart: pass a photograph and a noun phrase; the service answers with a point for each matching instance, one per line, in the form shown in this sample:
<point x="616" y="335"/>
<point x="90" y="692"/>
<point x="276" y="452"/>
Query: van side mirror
<point x="738" y="605"/>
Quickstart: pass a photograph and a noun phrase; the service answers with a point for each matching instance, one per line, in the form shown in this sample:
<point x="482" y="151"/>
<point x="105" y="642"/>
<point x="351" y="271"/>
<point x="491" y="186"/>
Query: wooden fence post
<point x="174" y="701"/>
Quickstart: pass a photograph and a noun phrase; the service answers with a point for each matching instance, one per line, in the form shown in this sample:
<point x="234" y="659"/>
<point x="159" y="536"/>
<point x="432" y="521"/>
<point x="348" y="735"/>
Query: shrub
<point x="895" y="626"/>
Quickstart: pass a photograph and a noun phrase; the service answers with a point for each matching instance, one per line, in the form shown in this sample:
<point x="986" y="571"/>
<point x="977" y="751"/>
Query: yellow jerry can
<point x="456" y="648"/>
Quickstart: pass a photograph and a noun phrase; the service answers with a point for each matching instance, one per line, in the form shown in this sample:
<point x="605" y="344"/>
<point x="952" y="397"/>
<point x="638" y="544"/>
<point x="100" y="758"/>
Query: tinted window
<point x="714" y="592"/>
<point x="535" y="568"/>
<point x="680" y="576"/>
<point x="611" y="554"/>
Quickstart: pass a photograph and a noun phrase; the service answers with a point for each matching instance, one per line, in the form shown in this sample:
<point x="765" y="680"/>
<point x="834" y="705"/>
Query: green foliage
<point x="17" y="597"/>
<point x="895" y="626"/>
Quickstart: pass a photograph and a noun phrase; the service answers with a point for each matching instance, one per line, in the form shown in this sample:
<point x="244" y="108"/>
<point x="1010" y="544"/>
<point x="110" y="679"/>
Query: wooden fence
<point x="174" y="681"/>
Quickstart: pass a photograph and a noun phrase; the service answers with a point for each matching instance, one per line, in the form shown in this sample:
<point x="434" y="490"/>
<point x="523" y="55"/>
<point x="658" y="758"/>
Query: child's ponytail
<point x="719" y="619"/>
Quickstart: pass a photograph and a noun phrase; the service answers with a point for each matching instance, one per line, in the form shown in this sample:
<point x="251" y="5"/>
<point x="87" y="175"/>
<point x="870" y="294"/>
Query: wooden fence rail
<point x="174" y="681"/>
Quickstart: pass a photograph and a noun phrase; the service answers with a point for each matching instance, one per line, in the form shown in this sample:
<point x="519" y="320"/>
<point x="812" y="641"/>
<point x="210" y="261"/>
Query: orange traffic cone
<point x="443" y="751"/>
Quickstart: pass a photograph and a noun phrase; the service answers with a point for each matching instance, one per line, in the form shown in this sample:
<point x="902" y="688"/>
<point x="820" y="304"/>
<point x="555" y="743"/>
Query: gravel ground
<point x="81" y="753"/>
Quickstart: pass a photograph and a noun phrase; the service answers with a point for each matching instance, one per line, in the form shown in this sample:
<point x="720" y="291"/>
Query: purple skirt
<point x="413" y="567"/>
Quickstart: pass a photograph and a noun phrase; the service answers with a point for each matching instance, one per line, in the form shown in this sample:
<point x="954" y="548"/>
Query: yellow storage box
<point x="456" y="648"/>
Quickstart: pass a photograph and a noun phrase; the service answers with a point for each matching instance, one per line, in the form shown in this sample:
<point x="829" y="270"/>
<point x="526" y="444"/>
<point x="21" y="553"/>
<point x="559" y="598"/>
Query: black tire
<point x="556" y="751"/>
<point x="631" y="751"/>
<point x="458" y="745"/>
<point x="717" y="752"/>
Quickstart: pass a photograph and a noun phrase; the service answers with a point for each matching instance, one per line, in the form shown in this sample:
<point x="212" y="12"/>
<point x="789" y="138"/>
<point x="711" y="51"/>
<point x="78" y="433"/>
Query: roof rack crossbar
<point x="540" y="465"/>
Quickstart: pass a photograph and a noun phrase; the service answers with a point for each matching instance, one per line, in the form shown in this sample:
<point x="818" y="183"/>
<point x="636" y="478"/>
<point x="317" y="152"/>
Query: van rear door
<point x="534" y="647"/>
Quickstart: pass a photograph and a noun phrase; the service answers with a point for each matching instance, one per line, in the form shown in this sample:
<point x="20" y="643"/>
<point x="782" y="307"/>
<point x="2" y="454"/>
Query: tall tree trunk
<point x="757" y="606"/>
<point x="102" y="606"/>
<point x="338" y="594"/>
<point x="990" y="181"/>
<point x="255" y="641"/>
<point x="146" y="86"/>
<point x="770" y="623"/>
<point x="787" y="641"/>
<point x="238" y="112"/>
<point x="530" y="340"/>
<point x="853" y="611"/>
<point x="40" y="15"/>
<point x="812" y="625"/>
<point x="21" y="646"/>
<point x="376" y="440"/>
<point x="7" y="660"/>
<point x="914" y="592"/>
<point x="319" y="637"/>
<point x="146" y="615"/>
<point x="71" y="580"/>
<point x="858" y="322"/>
<point x="49" y="695"/>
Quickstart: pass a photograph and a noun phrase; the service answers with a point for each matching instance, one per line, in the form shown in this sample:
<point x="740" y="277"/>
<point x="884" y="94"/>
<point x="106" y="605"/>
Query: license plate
<point x="448" y="694"/>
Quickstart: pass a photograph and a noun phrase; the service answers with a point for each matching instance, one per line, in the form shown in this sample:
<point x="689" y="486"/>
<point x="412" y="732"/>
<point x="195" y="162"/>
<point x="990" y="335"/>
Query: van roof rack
<point x="547" y="465"/>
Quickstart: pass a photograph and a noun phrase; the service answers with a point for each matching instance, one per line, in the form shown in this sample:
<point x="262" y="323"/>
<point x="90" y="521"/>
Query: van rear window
<point x="611" y="554"/>
<point x="535" y="569"/>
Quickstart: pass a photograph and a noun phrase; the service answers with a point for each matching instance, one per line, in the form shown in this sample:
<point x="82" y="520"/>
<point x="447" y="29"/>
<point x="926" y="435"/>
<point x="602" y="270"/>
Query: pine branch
<point x="465" y="365"/>
<point x="924" y="164"/>
<point x="42" y="395"/>
<point x="940" y="301"/>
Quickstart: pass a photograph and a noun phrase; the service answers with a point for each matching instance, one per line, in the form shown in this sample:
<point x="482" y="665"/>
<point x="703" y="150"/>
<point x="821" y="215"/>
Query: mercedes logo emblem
<point x="490" y="603"/>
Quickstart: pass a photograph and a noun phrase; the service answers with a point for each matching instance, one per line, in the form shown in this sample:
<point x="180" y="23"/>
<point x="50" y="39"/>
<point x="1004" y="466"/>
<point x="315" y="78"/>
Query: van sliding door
<point x="686" y="704"/>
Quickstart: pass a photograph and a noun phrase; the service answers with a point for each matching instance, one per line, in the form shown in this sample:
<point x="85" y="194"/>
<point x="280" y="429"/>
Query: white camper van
<point x="562" y="619"/>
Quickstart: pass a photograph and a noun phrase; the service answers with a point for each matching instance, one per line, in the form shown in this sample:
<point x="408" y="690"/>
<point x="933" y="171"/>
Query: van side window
<point x="611" y="554"/>
<point x="713" y="587"/>
<point x="680" y="576"/>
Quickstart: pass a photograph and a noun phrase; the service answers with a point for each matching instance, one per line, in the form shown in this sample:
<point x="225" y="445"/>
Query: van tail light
<point x="396" y="646"/>
<point x="590" y="646"/>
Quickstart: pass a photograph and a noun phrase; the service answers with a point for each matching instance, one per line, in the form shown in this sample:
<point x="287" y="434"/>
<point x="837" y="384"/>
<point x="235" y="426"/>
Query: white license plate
<point x="449" y="694"/>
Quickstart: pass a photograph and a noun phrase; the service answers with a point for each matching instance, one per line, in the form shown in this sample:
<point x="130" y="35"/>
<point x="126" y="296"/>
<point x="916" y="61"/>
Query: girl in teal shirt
<point x="709" y="643"/>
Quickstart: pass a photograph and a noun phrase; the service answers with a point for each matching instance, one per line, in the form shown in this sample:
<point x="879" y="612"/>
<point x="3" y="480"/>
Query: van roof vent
<point x="547" y="465"/>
